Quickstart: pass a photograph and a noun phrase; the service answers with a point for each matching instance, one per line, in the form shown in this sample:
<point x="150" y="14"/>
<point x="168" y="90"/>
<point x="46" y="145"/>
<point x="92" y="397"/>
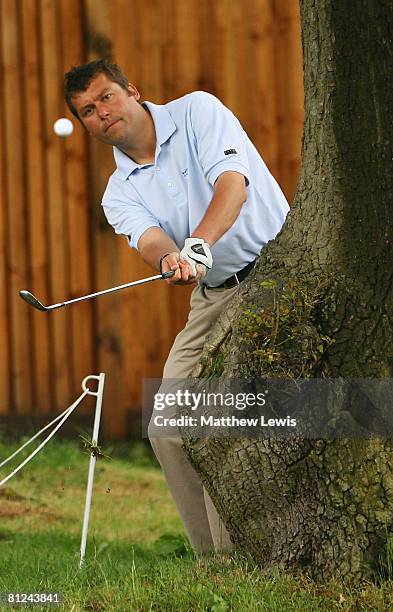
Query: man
<point x="192" y="195"/>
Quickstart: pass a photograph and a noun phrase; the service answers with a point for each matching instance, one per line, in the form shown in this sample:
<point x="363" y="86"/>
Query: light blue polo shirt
<point x="198" y="138"/>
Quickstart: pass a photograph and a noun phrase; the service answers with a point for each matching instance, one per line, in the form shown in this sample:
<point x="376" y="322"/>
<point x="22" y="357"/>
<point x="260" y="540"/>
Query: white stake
<point x="90" y="480"/>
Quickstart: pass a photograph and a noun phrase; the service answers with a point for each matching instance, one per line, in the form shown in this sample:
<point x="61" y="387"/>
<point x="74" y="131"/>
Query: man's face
<point x="109" y="112"/>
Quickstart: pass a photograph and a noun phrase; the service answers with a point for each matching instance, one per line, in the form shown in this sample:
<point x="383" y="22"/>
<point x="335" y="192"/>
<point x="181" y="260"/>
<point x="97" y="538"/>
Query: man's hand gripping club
<point x="191" y="264"/>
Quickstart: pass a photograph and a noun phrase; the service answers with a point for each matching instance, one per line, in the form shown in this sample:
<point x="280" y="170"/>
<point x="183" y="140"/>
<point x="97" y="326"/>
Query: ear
<point x="133" y="91"/>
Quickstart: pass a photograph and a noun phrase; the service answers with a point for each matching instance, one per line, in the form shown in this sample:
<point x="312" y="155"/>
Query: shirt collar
<point x="164" y="127"/>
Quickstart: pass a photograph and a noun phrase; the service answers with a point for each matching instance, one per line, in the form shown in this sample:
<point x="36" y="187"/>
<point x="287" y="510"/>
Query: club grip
<point x="167" y="274"/>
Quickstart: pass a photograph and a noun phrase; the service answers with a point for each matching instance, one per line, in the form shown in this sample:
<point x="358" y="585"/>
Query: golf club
<point x="33" y="301"/>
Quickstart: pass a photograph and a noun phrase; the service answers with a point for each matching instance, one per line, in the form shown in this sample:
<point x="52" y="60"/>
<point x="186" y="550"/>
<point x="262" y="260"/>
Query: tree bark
<point x="326" y="311"/>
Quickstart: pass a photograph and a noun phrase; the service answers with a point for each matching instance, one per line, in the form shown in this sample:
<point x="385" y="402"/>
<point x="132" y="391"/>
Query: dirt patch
<point x="8" y="493"/>
<point x="10" y="508"/>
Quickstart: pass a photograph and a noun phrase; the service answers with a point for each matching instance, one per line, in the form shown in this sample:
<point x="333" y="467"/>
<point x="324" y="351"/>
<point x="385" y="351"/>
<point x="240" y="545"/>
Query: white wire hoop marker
<point x="62" y="419"/>
<point x="96" y="428"/>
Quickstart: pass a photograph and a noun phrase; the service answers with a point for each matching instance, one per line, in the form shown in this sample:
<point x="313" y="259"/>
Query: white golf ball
<point x="63" y="127"/>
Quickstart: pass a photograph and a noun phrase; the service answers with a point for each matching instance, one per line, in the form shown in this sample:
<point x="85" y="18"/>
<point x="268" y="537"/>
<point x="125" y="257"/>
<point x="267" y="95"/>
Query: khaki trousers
<point x="204" y="527"/>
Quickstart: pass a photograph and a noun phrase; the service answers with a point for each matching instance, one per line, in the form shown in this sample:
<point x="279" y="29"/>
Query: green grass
<point x="137" y="557"/>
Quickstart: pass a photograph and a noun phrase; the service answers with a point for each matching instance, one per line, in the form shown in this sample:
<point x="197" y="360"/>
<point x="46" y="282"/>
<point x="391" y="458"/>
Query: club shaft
<point x="111" y="290"/>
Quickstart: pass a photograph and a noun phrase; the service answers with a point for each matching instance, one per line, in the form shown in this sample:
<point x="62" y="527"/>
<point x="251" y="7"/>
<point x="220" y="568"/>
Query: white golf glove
<point x="197" y="251"/>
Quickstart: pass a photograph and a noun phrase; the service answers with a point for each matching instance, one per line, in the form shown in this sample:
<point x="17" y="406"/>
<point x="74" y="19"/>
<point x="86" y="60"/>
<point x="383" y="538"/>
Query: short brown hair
<point x="80" y="77"/>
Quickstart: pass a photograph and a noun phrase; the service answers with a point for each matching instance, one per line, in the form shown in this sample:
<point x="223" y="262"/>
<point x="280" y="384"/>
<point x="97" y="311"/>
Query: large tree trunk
<point x="323" y="505"/>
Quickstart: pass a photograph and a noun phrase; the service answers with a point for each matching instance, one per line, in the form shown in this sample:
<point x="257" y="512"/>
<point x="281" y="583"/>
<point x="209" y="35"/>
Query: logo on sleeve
<point x="230" y="152"/>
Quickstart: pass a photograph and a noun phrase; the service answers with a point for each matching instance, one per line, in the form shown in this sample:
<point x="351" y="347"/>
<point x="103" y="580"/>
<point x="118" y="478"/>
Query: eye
<point x="87" y="112"/>
<point x="108" y="96"/>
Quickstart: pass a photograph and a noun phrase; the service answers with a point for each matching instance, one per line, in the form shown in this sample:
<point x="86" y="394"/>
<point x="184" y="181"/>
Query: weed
<point x="283" y="336"/>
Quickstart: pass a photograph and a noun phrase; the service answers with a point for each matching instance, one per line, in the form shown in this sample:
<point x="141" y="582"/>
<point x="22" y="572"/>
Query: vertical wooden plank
<point x="17" y="231"/>
<point x="5" y="365"/>
<point x="36" y="205"/>
<point x="58" y="247"/>
<point x="126" y="44"/>
<point x="262" y="112"/>
<point x="172" y="83"/>
<point x="77" y="203"/>
<point x="99" y="18"/>
<point x="132" y="307"/>
<point x="185" y="71"/>
<point x="143" y="346"/>
<point x="219" y="49"/>
<point x="240" y="64"/>
<point x="216" y="19"/>
<point x="158" y="335"/>
<point x="150" y="50"/>
<point x="185" y="39"/>
<point x="206" y="51"/>
<point x="126" y="37"/>
<point x="290" y="113"/>
<point x="227" y="57"/>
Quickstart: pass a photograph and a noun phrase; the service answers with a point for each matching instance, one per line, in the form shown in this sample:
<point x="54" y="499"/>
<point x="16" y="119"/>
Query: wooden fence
<point x="54" y="239"/>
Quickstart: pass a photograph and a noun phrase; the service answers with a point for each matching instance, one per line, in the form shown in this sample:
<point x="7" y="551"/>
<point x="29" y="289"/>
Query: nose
<point x="102" y="110"/>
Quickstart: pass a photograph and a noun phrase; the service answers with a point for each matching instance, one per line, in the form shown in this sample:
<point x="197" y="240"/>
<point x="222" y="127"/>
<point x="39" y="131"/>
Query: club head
<point x="30" y="299"/>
